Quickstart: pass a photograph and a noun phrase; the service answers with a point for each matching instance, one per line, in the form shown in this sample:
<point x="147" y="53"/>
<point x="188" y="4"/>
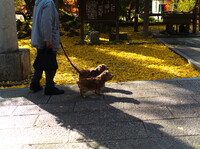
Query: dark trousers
<point x="48" y="73"/>
<point x="49" y="77"/>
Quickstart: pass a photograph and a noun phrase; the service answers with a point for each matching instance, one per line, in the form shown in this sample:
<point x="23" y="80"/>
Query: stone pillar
<point x="94" y="37"/>
<point x="8" y="31"/>
<point x="14" y="63"/>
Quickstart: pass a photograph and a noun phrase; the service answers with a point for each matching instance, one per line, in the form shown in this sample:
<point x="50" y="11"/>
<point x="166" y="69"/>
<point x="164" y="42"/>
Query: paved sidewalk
<point x="187" y="47"/>
<point x="133" y="115"/>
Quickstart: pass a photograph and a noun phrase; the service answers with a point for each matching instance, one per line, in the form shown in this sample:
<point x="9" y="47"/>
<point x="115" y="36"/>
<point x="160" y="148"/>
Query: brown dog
<point x="96" y="83"/>
<point x="92" y="73"/>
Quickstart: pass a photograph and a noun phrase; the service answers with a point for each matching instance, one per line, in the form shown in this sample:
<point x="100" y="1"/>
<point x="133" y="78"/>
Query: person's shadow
<point x="107" y="121"/>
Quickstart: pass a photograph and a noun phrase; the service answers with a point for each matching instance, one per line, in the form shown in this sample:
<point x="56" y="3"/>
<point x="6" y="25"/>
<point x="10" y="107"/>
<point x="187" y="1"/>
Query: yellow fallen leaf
<point x="125" y="62"/>
<point x="180" y="128"/>
<point x="61" y="106"/>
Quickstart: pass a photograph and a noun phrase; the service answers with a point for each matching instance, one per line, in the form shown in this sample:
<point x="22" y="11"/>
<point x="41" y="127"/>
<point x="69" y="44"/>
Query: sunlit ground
<point x="126" y="62"/>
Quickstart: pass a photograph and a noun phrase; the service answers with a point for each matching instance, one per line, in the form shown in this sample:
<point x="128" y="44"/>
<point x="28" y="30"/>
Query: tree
<point x="123" y="8"/>
<point x="180" y="5"/>
<point x="185" y="5"/>
<point x="30" y="4"/>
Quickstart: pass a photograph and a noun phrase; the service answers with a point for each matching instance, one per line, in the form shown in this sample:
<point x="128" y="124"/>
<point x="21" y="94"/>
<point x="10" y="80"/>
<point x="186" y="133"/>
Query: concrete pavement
<point x="131" y="115"/>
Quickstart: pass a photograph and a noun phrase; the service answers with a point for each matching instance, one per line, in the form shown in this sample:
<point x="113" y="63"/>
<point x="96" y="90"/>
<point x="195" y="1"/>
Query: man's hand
<point x="49" y="44"/>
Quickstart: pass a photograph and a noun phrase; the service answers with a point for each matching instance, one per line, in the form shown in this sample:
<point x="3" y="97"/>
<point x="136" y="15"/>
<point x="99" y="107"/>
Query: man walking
<point x="45" y="37"/>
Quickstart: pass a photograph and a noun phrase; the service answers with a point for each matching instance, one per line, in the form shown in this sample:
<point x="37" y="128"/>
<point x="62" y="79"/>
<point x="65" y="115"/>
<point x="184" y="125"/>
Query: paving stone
<point x="44" y="109"/>
<point x="20" y="101"/>
<point x="119" y="99"/>
<point x="196" y="97"/>
<point x="173" y="127"/>
<point x="69" y="89"/>
<point x="65" y="98"/>
<point x="16" y="101"/>
<point x="140" y="85"/>
<point x="183" y="111"/>
<point x="118" y="104"/>
<point x="164" y="84"/>
<point x="145" y="93"/>
<point x="71" y="95"/>
<point x="137" y="114"/>
<point x="113" y="116"/>
<point x="117" y="87"/>
<point x="152" y="143"/>
<point x="73" y="92"/>
<point x="29" y="110"/>
<point x="17" y="121"/>
<point x="165" y="100"/>
<point x="11" y="93"/>
<point x="58" y="108"/>
<point x="69" y="119"/>
<point x="22" y="98"/>
<point x="7" y="110"/>
<point x="194" y="141"/>
<point x="155" y="143"/>
<point x="34" y="135"/>
<point x="84" y="145"/>
<point x="89" y="96"/>
<point x="174" y="91"/>
<point x="135" y="93"/>
<point x="37" y="98"/>
<point x="15" y="146"/>
<point x="88" y="106"/>
<point x="191" y="85"/>
<point x="107" y="132"/>
<point x="116" y="95"/>
<point x="48" y="120"/>
<point x="121" y="90"/>
<point x="153" y="84"/>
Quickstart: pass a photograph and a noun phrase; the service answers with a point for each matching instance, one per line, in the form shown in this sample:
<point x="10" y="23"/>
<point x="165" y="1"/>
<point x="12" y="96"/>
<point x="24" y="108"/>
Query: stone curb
<point x="192" y="62"/>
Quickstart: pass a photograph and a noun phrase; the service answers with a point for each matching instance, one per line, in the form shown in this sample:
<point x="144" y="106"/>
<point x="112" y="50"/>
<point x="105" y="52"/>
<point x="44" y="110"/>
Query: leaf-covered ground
<point x="151" y="61"/>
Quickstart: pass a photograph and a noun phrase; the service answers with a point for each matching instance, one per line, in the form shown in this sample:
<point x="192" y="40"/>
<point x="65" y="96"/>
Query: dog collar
<point x="95" y="81"/>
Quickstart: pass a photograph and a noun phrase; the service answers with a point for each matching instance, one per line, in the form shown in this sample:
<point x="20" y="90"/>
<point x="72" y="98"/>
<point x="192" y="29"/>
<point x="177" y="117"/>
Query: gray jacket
<point x="45" y="25"/>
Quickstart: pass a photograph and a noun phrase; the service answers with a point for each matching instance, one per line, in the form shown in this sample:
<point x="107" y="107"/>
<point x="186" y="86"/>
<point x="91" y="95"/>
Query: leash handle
<point x="69" y="59"/>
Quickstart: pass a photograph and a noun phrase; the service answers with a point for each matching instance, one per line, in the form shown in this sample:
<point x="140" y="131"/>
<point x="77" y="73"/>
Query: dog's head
<point x="101" y="68"/>
<point x="106" y="75"/>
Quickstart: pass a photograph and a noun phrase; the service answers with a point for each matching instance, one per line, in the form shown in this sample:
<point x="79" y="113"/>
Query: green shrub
<point x="23" y="29"/>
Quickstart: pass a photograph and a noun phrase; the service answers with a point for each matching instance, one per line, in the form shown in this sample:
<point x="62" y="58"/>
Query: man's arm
<point x="46" y="23"/>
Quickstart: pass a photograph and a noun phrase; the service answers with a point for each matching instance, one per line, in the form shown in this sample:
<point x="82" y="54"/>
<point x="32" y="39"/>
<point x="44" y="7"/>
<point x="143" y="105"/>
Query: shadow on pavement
<point x="115" y="120"/>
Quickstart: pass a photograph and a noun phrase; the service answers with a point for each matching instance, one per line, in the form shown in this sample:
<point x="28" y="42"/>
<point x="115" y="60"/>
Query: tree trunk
<point x="30" y="4"/>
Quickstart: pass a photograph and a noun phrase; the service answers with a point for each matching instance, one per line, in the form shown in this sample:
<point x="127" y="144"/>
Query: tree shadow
<point x="108" y="121"/>
<point x="128" y="64"/>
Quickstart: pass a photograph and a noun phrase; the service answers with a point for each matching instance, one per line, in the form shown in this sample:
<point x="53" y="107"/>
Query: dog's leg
<point x="98" y="92"/>
<point x="82" y="92"/>
<point x="78" y="83"/>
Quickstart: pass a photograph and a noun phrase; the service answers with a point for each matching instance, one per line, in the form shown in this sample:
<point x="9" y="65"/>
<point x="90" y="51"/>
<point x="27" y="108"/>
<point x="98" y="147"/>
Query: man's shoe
<point x="35" y="87"/>
<point x="53" y="91"/>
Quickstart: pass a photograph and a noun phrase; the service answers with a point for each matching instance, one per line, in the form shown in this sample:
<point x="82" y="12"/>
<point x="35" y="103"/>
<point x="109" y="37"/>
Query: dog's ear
<point x="107" y="73"/>
<point x="104" y="66"/>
